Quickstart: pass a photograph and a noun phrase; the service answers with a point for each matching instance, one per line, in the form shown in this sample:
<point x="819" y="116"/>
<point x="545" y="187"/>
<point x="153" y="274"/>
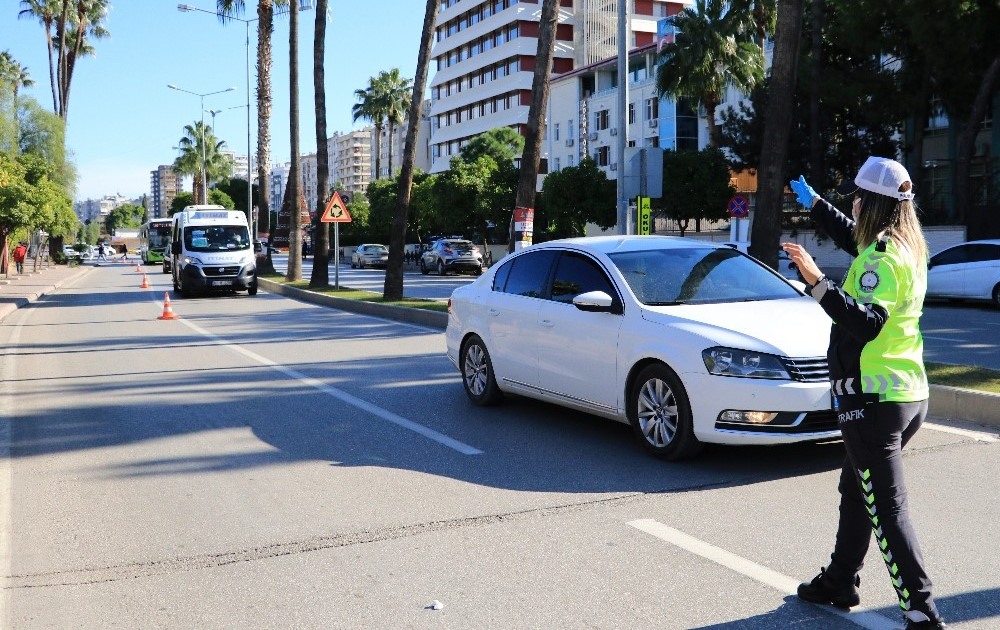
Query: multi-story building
<point x="485" y="57"/>
<point x="310" y="181"/>
<point x="351" y="163"/>
<point x="276" y="187"/>
<point x="164" y="184"/>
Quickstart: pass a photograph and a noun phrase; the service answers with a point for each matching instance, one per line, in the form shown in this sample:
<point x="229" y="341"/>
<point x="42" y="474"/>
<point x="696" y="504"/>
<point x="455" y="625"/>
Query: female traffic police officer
<point x="877" y="375"/>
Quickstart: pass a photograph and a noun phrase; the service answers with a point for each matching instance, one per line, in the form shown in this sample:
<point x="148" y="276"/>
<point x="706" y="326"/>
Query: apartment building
<point x="397" y="142"/>
<point x="484" y="59"/>
<point x="351" y="161"/>
<point x="276" y="187"/>
<point x="164" y="184"/>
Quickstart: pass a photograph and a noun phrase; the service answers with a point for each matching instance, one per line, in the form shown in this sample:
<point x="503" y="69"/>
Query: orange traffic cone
<point x="145" y="282"/>
<point x="168" y="312"/>
<point x="138" y="269"/>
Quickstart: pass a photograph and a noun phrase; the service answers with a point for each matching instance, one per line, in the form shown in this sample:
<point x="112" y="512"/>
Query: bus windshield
<point x="216" y="238"/>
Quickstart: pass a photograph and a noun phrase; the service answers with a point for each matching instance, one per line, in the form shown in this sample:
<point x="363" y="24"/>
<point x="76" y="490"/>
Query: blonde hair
<point x="881" y="214"/>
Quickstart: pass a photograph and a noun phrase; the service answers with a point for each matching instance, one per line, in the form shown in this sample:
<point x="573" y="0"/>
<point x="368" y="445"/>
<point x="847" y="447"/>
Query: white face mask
<point x="856" y="208"/>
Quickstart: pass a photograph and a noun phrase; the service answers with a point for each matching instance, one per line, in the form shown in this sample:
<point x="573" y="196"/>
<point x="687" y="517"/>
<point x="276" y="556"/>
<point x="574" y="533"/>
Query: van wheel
<point x="252" y="289"/>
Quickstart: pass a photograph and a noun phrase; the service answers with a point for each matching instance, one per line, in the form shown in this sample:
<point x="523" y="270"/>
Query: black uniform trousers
<point x="873" y="498"/>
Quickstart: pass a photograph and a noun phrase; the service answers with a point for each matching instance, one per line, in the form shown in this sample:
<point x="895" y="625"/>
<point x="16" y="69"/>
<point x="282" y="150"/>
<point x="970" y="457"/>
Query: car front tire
<point x="440" y="268"/>
<point x="423" y="268"/>
<point x="477" y="373"/>
<point x="660" y="414"/>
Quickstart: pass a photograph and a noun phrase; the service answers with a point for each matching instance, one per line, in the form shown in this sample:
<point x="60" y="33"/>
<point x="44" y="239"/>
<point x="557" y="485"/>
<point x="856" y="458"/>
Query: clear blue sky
<point x="124" y="120"/>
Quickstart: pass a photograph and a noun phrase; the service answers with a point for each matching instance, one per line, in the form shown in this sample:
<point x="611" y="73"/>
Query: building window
<point x="556" y="164"/>
<point x="631" y="113"/>
<point x="601" y="120"/>
<point x="601" y="156"/>
<point x="652" y="108"/>
<point x="569" y="129"/>
<point x="555" y="134"/>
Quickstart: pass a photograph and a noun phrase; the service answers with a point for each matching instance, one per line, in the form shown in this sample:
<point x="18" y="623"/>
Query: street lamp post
<point x="204" y="179"/>
<point x="184" y="8"/>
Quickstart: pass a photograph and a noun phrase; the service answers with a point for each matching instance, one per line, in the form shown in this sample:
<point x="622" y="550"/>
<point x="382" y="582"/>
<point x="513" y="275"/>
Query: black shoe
<point x="930" y="624"/>
<point x="823" y="590"/>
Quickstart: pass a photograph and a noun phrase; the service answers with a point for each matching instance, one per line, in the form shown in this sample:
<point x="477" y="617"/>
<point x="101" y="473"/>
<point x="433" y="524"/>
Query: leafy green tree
<point x="696" y="186"/>
<point x="217" y="165"/>
<point x="503" y="144"/>
<point x="574" y="197"/>
<point x="125" y="216"/>
<point x="236" y="190"/>
<point x="712" y="51"/>
<point x="218" y="197"/>
<point x="180" y="201"/>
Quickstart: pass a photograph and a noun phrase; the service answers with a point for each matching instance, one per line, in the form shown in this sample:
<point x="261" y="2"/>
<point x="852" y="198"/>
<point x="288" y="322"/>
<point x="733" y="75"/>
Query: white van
<point x="211" y="250"/>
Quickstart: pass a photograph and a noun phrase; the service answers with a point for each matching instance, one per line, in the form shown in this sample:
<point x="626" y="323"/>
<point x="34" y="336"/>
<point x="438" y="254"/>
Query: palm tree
<point x="371" y="107"/>
<point x="293" y="190"/>
<point x="321" y="239"/>
<point x="14" y="74"/>
<point x="712" y="51"/>
<point x="396" y="92"/>
<point x="535" y="130"/>
<point x="392" y="290"/>
<point x="69" y="26"/>
<point x="265" y="26"/>
<point x="217" y="164"/>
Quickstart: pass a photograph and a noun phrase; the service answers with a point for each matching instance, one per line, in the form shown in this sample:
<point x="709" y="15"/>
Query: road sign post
<point x="336" y="213"/>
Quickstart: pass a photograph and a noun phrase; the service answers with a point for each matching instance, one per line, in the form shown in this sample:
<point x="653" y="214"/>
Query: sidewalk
<point x="17" y="290"/>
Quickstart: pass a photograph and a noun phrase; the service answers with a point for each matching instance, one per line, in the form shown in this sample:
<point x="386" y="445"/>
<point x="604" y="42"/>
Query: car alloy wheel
<point x="660" y="414"/>
<point x="477" y="373"/>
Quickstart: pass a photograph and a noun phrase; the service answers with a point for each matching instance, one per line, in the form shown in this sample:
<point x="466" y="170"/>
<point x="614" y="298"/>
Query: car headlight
<point x="191" y="260"/>
<point x="743" y="363"/>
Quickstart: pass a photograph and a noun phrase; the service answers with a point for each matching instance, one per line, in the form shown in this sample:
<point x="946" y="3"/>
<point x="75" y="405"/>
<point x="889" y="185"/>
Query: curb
<point x="10" y="303"/>
<point x="962" y="404"/>
<point x="422" y="317"/>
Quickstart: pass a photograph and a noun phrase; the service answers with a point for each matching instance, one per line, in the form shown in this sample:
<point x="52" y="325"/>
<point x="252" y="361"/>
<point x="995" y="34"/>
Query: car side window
<point x="500" y="277"/>
<point x="983" y="253"/>
<point x="953" y="256"/>
<point x="529" y="274"/>
<point x="576" y="274"/>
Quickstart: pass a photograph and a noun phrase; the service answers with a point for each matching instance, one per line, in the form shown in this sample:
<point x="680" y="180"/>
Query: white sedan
<point x="688" y="341"/>
<point x="967" y="271"/>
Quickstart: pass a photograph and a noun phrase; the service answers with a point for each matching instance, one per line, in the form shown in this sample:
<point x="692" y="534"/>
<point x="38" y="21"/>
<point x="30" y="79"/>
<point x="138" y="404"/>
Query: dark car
<point x="452" y="254"/>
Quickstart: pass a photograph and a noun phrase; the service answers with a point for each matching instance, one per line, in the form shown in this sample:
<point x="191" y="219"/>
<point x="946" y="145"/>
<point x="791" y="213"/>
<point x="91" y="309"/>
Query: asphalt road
<point x="264" y="463"/>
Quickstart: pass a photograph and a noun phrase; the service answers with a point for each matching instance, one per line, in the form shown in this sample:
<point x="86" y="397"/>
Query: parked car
<point x="967" y="271"/>
<point x="370" y="255"/>
<point x="69" y="252"/>
<point x="688" y="341"/>
<point x="786" y="267"/>
<point x="452" y="254"/>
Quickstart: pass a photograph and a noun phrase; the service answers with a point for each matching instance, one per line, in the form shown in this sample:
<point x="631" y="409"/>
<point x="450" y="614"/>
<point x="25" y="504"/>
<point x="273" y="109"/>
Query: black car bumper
<point x="228" y="278"/>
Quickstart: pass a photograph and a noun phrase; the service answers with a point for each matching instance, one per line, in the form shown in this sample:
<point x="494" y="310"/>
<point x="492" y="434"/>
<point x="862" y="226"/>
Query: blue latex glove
<point x="805" y="192"/>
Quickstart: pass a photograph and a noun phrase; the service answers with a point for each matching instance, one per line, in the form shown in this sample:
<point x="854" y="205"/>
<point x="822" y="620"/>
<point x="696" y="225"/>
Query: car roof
<point x="989" y="241"/>
<point x="629" y="243"/>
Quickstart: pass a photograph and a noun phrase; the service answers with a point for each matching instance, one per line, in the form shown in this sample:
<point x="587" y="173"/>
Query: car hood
<point x="795" y="327"/>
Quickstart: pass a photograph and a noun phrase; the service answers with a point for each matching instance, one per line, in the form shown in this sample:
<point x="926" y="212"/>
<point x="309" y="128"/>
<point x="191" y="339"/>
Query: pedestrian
<point x="878" y="380"/>
<point x="100" y="252"/>
<point x="20" y="252"/>
<point x="124" y="252"/>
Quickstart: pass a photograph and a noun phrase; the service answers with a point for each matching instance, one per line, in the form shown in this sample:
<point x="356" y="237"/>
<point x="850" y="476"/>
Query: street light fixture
<point x="304" y="5"/>
<point x="204" y="180"/>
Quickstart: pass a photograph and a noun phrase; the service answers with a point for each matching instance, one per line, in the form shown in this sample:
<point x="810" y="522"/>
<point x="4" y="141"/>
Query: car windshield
<point x="376" y="249"/>
<point x="696" y="275"/>
<point x="216" y="238"/>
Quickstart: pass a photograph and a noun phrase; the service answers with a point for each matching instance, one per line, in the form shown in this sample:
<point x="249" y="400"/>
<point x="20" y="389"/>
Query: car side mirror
<point x="594" y="302"/>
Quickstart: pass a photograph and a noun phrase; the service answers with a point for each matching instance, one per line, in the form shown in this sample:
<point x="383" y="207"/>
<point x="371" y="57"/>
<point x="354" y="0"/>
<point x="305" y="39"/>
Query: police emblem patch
<point x="869" y="280"/>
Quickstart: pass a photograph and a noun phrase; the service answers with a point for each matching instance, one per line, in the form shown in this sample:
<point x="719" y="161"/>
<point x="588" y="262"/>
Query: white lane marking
<point x="354" y="401"/>
<point x="943" y="339"/>
<point x="866" y="619"/>
<point x="979" y="436"/>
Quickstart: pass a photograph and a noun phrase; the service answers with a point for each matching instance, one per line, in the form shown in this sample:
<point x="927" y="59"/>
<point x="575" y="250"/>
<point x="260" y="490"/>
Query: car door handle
<point x="548" y="323"/>
<point x="493" y="312"/>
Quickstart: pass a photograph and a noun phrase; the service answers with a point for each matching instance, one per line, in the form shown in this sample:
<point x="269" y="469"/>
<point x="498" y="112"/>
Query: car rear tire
<point x="441" y="269"/>
<point x="353" y="266"/>
<point x="660" y="414"/>
<point x="252" y="289"/>
<point x="477" y="373"/>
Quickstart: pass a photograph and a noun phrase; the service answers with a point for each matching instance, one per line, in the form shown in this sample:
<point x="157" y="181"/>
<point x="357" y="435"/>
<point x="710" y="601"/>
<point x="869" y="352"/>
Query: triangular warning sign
<point x="336" y="211"/>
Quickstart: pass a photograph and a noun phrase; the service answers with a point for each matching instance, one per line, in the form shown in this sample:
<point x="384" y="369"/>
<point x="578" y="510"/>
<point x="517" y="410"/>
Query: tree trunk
<point x="294" y="185"/>
<point x="321" y="237"/>
<point x="392" y="290"/>
<point x="392" y="129"/>
<point x="378" y="150"/>
<point x="265" y="24"/>
<point x="527" y="182"/>
<point x="967" y="146"/>
<point x="817" y="168"/>
<point x="766" y="230"/>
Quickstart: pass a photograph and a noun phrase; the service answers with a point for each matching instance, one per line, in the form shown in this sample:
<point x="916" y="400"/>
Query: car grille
<point x="232" y="270"/>
<point x="808" y="370"/>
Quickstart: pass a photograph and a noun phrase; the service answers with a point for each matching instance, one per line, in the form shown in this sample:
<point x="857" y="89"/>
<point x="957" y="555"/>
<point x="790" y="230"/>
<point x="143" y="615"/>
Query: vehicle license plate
<point x="222" y="283"/>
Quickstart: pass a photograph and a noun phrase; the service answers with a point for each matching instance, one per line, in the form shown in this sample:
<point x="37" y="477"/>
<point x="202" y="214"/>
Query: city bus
<point x="153" y="237"/>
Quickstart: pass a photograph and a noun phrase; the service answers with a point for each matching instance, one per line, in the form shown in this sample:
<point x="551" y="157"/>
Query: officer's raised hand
<point x="805" y="193"/>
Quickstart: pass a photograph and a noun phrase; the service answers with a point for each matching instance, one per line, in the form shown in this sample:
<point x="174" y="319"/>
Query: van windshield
<point x="216" y="238"/>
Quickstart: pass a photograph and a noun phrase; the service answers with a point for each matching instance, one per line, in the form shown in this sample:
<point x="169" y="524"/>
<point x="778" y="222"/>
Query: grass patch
<point x="361" y="296"/>
<point x="964" y="376"/>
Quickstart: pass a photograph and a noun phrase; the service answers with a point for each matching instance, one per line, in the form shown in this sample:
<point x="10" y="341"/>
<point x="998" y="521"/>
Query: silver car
<point x="370" y="255"/>
<point x="452" y="254"/>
